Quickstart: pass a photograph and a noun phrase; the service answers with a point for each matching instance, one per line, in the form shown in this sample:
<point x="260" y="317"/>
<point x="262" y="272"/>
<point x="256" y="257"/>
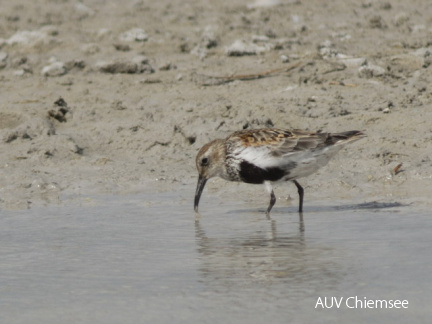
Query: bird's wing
<point x="268" y="148"/>
<point x="279" y="142"/>
<point x="280" y="148"/>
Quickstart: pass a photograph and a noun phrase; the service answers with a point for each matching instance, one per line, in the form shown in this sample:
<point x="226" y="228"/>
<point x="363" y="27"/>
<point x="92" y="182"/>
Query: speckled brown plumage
<point x="269" y="155"/>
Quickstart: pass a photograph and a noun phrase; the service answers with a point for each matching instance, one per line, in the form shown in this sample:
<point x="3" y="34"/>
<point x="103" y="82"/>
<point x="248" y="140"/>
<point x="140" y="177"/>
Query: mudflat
<point x="118" y="97"/>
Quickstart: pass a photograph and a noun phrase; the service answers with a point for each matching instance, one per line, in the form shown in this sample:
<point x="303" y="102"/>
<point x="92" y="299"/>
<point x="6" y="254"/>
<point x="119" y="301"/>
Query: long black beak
<point x="199" y="189"/>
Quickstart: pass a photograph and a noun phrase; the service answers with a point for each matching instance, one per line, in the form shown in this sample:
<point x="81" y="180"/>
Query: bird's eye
<point x="204" y="161"/>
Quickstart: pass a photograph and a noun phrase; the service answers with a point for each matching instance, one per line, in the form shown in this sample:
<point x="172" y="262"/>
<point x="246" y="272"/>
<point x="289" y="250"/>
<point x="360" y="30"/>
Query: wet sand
<point x="145" y="85"/>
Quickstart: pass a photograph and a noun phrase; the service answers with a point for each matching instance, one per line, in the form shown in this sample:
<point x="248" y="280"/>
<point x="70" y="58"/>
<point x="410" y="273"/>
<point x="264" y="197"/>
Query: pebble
<point x="208" y="40"/>
<point x="417" y="28"/>
<point x="385" y="6"/>
<point x="260" y="39"/>
<point x="290" y="88"/>
<point x="400" y="19"/>
<point x="19" y="61"/>
<point x="371" y="71"/>
<point x="353" y="61"/>
<point x="138" y="64"/>
<point x="24" y="69"/>
<point x="143" y="64"/>
<point x="90" y="48"/>
<point x="208" y="37"/>
<point x="118" y="105"/>
<point x="407" y="62"/>
<point x="199" y="51"/>
<point x="149" y="81"/>
<point x="19" y="72"/>
<point x="103" y="32"/>
<point x="26" y="37"/>
<point x="117" y="67"/>
<point x="134" y="35"/>
<point x="377" y="21"/>
<point x="74" y="64"/>
<point x="241" y="48"/>
<point x="45" y="35"/>
<point x="83" y="11"/>
<point x="342" y="36"/>
<point x="167" y="66"/>
<point x="426" y="54"/>
<point x="54" y="69"/>
<point x="327" y="50"/>
<point x="284" y="58"/>
<point x="263" y="4"/>
<point x="122" y="47"/>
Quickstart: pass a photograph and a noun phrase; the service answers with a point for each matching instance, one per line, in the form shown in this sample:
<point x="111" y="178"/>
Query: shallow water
<point x="147" y="259"/>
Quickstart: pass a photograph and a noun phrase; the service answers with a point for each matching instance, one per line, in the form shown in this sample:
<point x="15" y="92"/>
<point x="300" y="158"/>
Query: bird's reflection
<point x="265" y="257"/>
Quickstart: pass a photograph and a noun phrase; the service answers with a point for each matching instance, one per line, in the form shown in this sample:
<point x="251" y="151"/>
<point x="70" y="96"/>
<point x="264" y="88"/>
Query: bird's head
<point x="210" y="162"/>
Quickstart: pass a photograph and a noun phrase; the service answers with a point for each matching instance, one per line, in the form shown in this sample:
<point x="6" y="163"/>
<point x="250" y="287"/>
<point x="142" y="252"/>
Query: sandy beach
<point x="118" y="97"/>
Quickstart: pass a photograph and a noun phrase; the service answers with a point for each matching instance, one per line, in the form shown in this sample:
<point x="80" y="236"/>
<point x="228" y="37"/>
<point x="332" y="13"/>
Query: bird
<point x="268" y="155"/>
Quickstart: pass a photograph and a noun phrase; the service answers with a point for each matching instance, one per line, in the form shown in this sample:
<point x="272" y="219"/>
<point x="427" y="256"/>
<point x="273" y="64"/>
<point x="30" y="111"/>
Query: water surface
<point x="147" y="259"/>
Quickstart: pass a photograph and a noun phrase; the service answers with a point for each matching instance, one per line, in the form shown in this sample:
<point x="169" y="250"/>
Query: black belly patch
<point x="250" y="173"/>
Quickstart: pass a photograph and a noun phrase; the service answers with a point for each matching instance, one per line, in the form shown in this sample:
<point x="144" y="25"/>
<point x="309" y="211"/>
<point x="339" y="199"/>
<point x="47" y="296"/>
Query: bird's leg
<point x="272" y="197"/>
<point x="301" y="194"/>
<point x="272" y="202"/>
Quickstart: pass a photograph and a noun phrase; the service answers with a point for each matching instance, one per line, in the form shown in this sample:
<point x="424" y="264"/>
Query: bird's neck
<point x="219" y="154"/>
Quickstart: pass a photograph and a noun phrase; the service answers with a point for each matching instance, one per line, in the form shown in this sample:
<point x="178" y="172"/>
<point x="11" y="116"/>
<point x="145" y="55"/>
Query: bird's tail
<point x="345" y="137"/>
